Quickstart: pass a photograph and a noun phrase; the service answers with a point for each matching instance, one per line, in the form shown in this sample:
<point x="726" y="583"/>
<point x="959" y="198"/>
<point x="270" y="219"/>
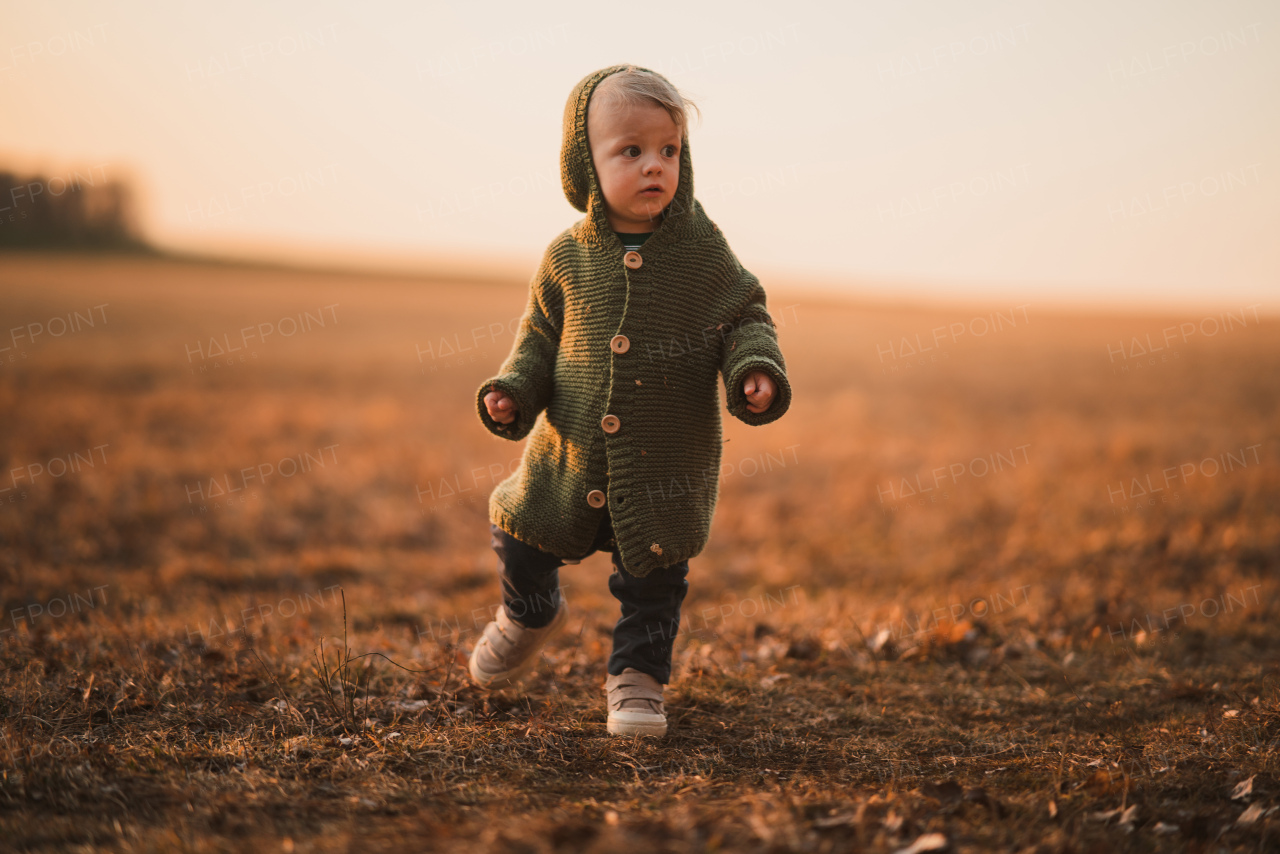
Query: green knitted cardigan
<point x="689" y="311"/>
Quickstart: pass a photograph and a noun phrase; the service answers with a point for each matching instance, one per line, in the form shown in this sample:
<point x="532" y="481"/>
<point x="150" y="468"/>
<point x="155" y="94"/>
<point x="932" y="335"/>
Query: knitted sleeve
<point x="526" y="375"/>
<point x="751" y="344"/>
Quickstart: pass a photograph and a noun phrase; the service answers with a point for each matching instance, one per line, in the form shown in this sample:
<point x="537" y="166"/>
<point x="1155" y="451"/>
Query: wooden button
<point x="620" y="343"/>
<point x="610" y="423"/>
<point x="595" y="498"/>
<point x="632" y="259"/>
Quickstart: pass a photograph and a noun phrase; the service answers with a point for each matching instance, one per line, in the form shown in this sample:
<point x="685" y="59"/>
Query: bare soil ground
<point x="1015" y="592"/>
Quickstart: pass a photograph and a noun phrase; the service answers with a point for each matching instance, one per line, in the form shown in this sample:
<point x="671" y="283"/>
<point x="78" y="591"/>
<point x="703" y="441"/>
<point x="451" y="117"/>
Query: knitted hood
<point x="582" y="188"/>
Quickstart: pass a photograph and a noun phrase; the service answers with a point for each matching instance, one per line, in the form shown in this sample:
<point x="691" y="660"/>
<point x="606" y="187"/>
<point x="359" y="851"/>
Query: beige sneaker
<point x="507" y="650"/>
<point x="635" y="704"/>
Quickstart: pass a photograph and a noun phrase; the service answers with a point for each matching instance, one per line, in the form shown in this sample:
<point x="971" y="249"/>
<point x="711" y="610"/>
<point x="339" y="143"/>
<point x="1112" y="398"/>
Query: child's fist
<point x="759" y="389"/>
<point x="501" y="407"/>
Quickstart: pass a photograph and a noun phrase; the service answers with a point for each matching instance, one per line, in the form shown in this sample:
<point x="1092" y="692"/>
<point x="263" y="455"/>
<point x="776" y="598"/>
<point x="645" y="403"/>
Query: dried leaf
<point x="961" y="632"/>
<point x="1243" y="789"/>
<point x="1165" y="829"/>
<point x="881" y="640"/>
<point x="927" y="842"/>
<point x="838" y="820"/>
<point x="411" y="705"/>
<point x="1250" y="815"/>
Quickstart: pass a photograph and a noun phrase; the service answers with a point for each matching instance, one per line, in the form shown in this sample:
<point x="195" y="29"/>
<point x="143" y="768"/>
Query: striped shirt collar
<point x="632" y="242"/>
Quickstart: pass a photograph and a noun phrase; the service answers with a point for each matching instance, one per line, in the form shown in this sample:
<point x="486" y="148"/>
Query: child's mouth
<point x="651" y="191"/>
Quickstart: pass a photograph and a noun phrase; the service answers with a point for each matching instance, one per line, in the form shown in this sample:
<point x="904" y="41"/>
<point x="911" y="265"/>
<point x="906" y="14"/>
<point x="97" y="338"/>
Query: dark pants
<point x="645" y="635"/>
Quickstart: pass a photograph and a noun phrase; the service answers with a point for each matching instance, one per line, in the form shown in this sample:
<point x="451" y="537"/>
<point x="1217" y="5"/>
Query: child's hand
<point x="759" y="389"/>
<point x="501" y="407"/>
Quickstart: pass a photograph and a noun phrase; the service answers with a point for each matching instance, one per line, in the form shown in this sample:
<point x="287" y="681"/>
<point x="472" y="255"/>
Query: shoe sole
<point x="506" y="678"/>
<point x="636" y="723"/>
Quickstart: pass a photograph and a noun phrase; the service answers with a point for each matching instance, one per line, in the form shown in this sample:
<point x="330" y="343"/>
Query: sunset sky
<point x="1098" y="151"/>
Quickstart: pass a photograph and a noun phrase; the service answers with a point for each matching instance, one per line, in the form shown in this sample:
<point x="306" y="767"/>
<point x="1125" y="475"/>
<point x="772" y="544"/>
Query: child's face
<point x="636" y="152"/>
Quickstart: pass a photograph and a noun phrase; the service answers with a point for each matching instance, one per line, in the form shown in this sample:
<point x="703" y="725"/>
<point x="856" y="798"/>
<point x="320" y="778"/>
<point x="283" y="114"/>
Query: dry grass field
<point x="1017" y="592"/>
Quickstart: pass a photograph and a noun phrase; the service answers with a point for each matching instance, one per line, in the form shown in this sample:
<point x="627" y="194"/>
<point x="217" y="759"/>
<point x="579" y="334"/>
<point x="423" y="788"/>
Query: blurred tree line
<point x="82" y="209"/>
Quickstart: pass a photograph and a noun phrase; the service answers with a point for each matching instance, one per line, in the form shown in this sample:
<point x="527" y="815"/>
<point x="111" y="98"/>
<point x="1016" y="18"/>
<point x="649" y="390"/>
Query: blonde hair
<point x="632" y="86"/>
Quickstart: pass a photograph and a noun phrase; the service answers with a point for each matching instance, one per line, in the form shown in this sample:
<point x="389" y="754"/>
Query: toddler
<point x="632" y="313"/>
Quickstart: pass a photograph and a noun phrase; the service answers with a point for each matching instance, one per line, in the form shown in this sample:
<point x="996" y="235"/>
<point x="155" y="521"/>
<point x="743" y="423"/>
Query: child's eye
<point x="669" y="151"/>
<point x="631" y="151"/>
